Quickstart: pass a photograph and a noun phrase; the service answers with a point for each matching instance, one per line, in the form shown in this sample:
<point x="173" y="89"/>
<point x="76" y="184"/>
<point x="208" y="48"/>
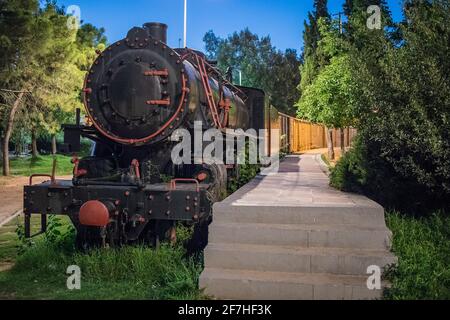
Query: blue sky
<point x="281" y="19"/>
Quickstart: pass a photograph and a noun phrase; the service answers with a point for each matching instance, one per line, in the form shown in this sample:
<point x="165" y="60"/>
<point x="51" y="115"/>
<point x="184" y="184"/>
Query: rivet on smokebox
<point x="188" y="209"/>
<point x="195" y="217"/>
<point x="117" y="202"/>
<point x="127" y="193"/>
<point x="188" y="198"/>
<point x="168" y="213"/>
<point x="150" y="212"/>
<point x="168" y="198"/>
<point x="151" y="197"/>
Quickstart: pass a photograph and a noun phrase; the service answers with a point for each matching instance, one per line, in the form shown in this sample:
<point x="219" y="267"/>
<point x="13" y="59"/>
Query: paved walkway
<point x="292" y="236"/>
<point x="301" y="182"/>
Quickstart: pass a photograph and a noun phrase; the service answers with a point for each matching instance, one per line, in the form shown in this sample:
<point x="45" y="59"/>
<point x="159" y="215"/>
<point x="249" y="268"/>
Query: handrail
<point x="173" y="183"/>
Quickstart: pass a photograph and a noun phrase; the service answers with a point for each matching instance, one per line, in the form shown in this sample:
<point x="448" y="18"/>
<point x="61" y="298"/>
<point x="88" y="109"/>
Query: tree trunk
<point x="8" y="133"/>
<point x="54" y="150"/>
<point x="342" y="141"/>
<point x="34" y="148"/>
<point x="331" y="155"/>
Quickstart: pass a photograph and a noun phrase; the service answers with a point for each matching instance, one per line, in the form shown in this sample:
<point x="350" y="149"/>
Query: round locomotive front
<point x="136" y="91"/>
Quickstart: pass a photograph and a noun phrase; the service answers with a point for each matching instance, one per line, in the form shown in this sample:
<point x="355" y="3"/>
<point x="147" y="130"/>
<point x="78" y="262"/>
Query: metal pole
<point x="341" y="26"/>
<point x="185" y="24"/>
<point x="240" y="77"/>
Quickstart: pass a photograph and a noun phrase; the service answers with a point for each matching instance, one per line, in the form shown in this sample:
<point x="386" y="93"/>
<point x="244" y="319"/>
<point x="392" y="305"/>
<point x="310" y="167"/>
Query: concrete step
<point x="257" y="285"/>
<point x="295" y="259"/>
<point x="362" y="216"/>
<point x="336" y="236"/>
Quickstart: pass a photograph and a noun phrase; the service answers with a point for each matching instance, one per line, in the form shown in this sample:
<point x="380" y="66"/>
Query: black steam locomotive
<point x="137" y="93"/>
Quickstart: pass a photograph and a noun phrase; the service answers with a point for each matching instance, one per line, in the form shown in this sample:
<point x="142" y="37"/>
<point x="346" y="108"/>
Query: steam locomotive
<point x="136" y="94"/>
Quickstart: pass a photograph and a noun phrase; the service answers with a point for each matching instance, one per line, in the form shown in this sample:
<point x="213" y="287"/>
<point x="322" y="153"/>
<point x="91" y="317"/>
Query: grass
<point x="9" y="239"/>
<point x="128" y="273"/>
<point x="423" y="248"/>
<point x="41" y="165"/>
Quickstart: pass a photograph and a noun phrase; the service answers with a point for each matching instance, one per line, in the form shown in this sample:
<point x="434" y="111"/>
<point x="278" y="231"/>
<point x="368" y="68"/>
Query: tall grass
<point x="133" y="272"/>
<point x="423" y="248"/>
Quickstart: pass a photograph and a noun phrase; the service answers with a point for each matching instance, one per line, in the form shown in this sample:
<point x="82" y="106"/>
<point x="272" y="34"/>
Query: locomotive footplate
<point x="133" y="205"/>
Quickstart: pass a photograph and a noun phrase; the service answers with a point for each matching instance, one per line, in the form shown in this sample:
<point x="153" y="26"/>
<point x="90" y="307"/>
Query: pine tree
<point x="321" y="9"/>
<point x="311" y="34"/>
<point x="311" y="37"/>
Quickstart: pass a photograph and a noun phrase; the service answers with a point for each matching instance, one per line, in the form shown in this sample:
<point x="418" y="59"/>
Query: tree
<point x="330" y="98"/>
<point x="313" y="60"/>
<point x="327" y="98"/>
<point x="43" y="67"/>
<point x="403" y="107"/>
<point x="23" y="36"/>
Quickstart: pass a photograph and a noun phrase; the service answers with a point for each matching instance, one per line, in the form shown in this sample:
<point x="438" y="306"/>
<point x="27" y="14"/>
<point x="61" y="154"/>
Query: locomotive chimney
<point x="157" y="31"/>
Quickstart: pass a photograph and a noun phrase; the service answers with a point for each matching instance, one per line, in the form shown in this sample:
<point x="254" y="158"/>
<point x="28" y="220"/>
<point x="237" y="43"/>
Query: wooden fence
<point x="298" y="135"/>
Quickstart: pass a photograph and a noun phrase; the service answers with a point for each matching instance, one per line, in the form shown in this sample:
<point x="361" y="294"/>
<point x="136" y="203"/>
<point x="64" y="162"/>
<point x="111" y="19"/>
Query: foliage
<point x="403" y="110"/>
<point x="423" y="248"/>
<point x="399" y="101"/>
<point x="329" y="99"/>
<point x="312" y="58"/>
<point x="126" y="273"/>
<point x="262" y="66"/>
<point x="350" y="173"/>
<point x="246" y="172"/>
<point x="42" y="67"/>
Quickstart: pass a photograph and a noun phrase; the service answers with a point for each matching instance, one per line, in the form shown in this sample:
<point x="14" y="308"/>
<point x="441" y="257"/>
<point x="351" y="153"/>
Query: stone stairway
<point x="291" y="236"/>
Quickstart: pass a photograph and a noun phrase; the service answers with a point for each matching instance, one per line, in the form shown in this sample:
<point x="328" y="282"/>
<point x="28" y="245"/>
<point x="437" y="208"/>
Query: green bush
<point x="364" y="169"/>
<point x="423" y="249"/>
<point x="350" y="174"/>
<point x="402" y="112"/>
